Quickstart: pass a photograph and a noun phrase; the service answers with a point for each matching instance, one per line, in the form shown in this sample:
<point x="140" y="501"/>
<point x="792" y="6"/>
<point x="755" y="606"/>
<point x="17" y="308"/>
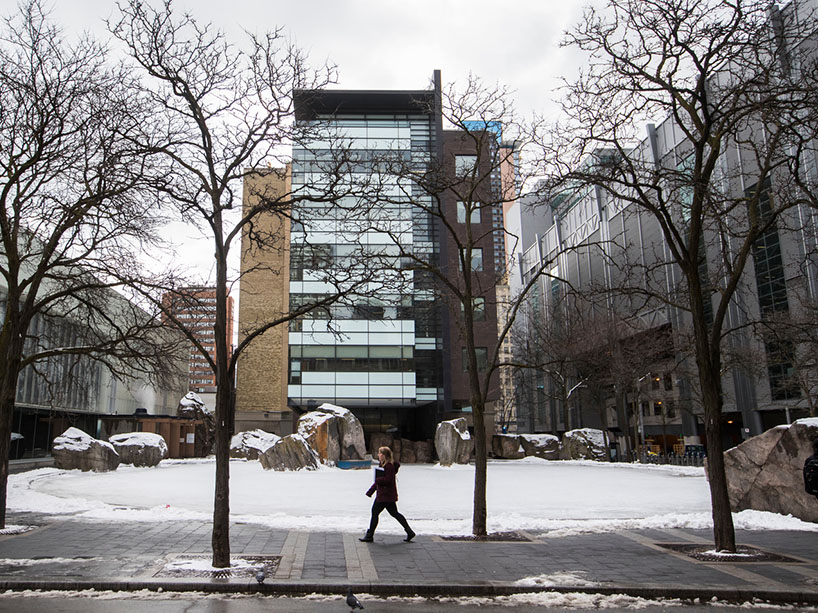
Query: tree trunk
<point x="723" y="530"/>
<point x="480" y="512"/>
<point x="224" y="411"/>
<point x="11" y="350"/>
<point x="221" y="503"/>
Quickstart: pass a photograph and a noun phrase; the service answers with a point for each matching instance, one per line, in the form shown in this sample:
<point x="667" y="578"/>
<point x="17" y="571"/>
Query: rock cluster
<point x="291" y="452"/>
<point x="334" y="433"/>
<point x="74" y="449"/>
<point x="584" y="444"/>
<point x="581" y="444"/>
<point x="507" y="446"/>
<point x="140" y="448"/>
<point x="403" y="450"/>
<point x="453" y="443"/>
<point x="765" y="472"/>
<point x="545" y="446"/>
<point x="250" y="444"/>
<point x="191" y="406"/>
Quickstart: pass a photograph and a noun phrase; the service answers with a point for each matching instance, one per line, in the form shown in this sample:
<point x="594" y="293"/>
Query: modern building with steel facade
<point x="780" y="278"/>
<point x="391" y="358"/>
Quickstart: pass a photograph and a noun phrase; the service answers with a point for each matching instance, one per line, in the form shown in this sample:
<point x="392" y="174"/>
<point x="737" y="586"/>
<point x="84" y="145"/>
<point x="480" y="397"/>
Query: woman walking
<point x="387" y="495"/>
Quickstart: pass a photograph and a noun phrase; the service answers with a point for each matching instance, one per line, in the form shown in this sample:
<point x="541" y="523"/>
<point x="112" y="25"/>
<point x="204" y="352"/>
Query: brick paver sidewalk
<point x="65" y="554"/>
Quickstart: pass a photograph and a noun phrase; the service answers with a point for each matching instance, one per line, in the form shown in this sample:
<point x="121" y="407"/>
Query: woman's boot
<point x="367" y="538"/>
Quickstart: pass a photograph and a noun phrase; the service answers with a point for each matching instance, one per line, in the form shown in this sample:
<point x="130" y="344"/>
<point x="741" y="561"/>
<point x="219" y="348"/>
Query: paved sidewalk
<point x="66" y="554"/>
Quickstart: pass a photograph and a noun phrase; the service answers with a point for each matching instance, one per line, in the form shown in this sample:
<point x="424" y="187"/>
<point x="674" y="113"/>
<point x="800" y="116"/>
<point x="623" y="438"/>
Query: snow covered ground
<point x="538" y="496"/>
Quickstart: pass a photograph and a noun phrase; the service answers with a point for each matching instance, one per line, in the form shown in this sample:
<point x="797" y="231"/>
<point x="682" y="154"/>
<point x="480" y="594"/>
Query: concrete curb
<point x="330" y="587"/>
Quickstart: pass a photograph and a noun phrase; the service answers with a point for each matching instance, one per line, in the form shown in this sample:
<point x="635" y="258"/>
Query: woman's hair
<point x="387" y="454"/>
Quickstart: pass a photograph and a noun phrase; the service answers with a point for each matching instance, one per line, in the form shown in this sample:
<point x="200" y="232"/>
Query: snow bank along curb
<point x="331" y="586"/>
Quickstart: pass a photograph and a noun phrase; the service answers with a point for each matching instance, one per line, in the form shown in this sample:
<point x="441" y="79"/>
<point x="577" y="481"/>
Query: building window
<point x="479" y="310"/>
<point x="475" y="212"/>
<point x="476" y="259"/>
<point x="482" y="355"/>
<point x="464" y="164"/>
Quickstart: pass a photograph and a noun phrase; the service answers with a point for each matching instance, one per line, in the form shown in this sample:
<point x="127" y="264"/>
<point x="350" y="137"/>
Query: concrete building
<point x="70" y="390"/>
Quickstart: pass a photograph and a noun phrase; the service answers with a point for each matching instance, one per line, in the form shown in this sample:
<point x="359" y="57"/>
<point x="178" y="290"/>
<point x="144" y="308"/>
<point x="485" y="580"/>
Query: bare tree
<point x="73" y="215"/>
<point x="722" y="73"/>
<point x="227" y="117"/>
<point x="460" y="190"/>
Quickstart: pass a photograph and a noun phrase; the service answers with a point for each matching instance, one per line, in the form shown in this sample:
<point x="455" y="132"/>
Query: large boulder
<point x="378" y="440"/>
<point x="507" y="446"/>
<point x="334" y="433"/>
<point x="765" y="472"/>
<point x="453" y="443"/>
<point x="423" y="452"/>
<point x="140" y="448"/>
<point x="74" y="449"/>
<point x="584" y="444"/>
<point x="191" y="406"/>
<point x="546" y="446"/>
<point x="291" y="452"/>
<point x="249" y="445"/>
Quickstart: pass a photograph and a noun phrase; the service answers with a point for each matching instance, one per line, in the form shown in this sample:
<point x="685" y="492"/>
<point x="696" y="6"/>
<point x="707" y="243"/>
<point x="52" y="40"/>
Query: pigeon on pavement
<point x="352" y="602"/>
<point x="260" y="576"/>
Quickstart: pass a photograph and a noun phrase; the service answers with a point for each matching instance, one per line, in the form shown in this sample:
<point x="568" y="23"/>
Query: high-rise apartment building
<point x="195" y="307"/>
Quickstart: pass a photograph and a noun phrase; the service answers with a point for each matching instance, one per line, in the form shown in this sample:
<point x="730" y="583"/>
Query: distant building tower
<point x="195" y="307"/>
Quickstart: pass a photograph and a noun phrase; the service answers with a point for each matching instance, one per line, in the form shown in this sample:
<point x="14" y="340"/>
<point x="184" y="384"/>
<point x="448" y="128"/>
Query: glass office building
<point x="379" y="352"/>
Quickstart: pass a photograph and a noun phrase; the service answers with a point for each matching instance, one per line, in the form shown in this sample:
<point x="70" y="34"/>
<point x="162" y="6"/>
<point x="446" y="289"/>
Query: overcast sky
<point x="386" y="44"/>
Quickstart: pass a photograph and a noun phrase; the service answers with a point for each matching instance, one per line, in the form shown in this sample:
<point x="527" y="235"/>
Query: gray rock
<point x="140" y="448"/>
<point x="291" y="452"/>
<point x="584" y="444"/>
<point x="453" y="443"/>
<point x="765" y="472"/>
<point x="334" y="433"/>
<point x="408" y="455"/>
<point x="378" y="440"/>
<point x="507" y="446"/>
<point x="191" y="406"/>
<point x="250" y="444"/>
<point x="423" y="452"/>
<point x="546" y="446"/>
<point x="74" y="449"/>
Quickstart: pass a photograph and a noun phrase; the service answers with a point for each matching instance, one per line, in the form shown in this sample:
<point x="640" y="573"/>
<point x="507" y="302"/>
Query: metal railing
<point x="666" y="458"/>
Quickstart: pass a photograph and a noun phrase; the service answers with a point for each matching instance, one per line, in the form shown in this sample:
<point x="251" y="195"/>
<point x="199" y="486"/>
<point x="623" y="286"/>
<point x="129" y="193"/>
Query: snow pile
<point x="139" y="439"/>
<point x="204" y="565"/>
<point x="556" y="579"/>
<point x="260" y="440"/>
<point x="75" y="439"/>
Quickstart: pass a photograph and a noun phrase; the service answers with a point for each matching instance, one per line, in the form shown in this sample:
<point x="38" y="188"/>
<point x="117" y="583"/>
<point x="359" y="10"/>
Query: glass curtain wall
<point x="382" y="351"/>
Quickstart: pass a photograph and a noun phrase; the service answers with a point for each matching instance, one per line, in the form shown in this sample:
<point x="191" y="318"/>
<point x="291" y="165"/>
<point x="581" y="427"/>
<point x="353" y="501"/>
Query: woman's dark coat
<point x="385" y="484"/>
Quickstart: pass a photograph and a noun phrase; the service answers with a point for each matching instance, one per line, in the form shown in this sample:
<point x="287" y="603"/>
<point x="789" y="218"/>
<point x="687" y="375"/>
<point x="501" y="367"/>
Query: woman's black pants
<point x="392" y="509"/>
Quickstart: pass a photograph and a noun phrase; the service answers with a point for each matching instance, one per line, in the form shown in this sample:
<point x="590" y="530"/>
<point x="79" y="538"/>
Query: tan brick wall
<point x="261" y="383"/>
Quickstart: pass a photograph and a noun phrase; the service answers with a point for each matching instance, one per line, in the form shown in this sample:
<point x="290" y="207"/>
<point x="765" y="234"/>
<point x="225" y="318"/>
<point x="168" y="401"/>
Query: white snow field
<point x="550" y="498"/>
